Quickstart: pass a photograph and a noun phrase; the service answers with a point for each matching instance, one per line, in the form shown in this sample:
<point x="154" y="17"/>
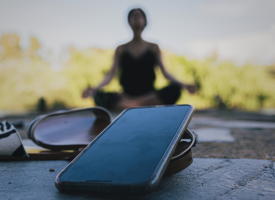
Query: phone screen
<point x="131" y="147"/>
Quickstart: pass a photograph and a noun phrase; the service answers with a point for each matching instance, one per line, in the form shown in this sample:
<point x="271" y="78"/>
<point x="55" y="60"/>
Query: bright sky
<point x="240" y="30"/>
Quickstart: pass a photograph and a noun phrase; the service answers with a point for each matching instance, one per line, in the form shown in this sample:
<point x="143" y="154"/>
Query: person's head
<point x="137" y="19"/>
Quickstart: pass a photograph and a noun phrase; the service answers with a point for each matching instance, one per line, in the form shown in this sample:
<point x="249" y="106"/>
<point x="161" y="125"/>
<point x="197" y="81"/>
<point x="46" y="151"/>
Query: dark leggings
<point x="168" y="95"/>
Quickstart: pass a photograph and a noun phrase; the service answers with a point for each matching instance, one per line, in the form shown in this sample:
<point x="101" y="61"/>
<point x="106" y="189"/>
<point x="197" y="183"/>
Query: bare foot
<point x="149" y="99"/>
<point x="145" y="100"/>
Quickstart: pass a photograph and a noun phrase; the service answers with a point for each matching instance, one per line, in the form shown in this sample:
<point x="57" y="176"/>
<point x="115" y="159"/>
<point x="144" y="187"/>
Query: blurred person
<point x="136" y="62"/>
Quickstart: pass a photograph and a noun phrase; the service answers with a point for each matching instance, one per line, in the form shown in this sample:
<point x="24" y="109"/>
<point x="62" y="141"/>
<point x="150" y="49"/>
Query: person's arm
<point x="189" y="87"/>
<point x="110" y="75"/>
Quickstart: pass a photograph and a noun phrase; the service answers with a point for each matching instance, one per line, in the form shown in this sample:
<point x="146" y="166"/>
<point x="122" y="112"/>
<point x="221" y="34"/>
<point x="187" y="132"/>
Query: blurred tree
<point x="10" y="48"/>
<point x="25" y="77"/>
<point x="41" y="105"/>
<point x="261" y="99"/>
<point x="34" y="47"/>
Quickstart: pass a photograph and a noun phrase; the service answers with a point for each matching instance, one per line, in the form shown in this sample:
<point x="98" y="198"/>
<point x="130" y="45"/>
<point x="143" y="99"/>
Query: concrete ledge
<point x="204" y="179"/>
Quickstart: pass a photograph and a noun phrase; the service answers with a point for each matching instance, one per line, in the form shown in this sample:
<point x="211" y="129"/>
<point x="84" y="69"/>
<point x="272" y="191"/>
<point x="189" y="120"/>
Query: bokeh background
<point x="55" y="49"/>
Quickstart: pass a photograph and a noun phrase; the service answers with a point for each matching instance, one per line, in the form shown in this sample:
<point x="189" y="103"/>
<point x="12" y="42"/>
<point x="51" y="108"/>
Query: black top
<point x="137" y="74"/>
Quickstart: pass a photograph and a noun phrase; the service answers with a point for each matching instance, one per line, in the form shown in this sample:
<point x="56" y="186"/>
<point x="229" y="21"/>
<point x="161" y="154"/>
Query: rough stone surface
<point x="225" y="123"/>
<point x="214" y="135"/>
<point x="249" y="144"/>
<point x="204" y="179"/>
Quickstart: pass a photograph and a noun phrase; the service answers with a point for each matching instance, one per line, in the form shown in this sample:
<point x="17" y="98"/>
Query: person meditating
<point x="136" y="62"/>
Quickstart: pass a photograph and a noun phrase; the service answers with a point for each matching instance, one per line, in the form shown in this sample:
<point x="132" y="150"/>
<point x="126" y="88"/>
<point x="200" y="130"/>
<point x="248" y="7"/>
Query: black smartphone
<point x="131" y="154"/>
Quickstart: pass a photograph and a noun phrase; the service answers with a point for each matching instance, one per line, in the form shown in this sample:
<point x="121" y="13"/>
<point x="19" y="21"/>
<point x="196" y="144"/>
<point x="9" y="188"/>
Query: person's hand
<point x="88" y="92"/>
<point x="191" y="88"/>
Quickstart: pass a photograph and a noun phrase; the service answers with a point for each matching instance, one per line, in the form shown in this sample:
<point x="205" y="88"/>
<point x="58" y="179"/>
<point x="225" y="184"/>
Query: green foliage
<point x="25" y="77"/>
<point x="246" y="87"/>
<point x="86" y="68"/>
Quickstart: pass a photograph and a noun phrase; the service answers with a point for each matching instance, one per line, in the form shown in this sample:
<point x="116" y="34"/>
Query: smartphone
<point x="130" y="155"/>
